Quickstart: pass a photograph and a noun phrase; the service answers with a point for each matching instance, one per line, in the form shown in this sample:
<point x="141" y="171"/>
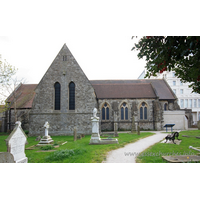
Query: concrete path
<point x="129" y="153"/>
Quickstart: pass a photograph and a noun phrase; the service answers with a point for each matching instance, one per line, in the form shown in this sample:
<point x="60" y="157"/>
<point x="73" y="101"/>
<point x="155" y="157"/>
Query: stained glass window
<point x="57" y="96"/>
<point x="71" y="96"/>
<point x="124" y="112"/>
<point x="165" y="106"/>
<point x="143" y="111"/>
<point x="105" y="112"/>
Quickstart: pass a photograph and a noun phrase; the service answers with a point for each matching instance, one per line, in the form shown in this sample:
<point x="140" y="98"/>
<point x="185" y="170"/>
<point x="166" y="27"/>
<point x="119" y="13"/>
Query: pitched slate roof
<point x="124" y="90"/>
<point x="139" y="88"/>
<point x="24" y="96"/>
<point x="107" y="89"/>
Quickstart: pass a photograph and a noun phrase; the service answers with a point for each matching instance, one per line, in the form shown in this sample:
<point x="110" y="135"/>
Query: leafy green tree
<point x="180" y="54"/>
<point x="7" y="71"/>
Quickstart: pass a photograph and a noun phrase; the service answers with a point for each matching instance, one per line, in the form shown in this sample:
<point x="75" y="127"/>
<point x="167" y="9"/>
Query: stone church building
<point x="66" y="98"/>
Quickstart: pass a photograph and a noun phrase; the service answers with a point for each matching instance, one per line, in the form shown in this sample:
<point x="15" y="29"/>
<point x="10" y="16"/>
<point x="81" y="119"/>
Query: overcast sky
<point x="98" y="33"/>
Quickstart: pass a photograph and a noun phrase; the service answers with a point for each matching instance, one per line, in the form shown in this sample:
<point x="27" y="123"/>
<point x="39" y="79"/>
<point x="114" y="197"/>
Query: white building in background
<point x="186" y="99"/>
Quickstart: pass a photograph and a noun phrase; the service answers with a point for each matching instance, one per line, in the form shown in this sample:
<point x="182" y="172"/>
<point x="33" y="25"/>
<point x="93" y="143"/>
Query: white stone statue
<point x="46" y="125"/>
<point x="95" y="113"/>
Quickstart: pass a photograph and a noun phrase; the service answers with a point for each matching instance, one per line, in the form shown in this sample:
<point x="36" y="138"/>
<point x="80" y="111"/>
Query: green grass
<point x="154" y="153"/>
<point x="74" y="152"/>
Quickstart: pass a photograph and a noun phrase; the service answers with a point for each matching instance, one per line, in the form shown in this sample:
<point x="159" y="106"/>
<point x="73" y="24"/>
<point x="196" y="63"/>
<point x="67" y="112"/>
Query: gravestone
<point x="138" y="130"/>
<point x="198" y="125"/>
<point x="75" y="134"/>
<point x="133" y="128"/>
<point x="16" y="144"/>
<point x="38" y="138"/>
<point x="6" y="157"/>
<point x="115" y="125"/>
<point x="115" y="130"/>
<point x="46" y="139"/>
<point x="95" y="138"/>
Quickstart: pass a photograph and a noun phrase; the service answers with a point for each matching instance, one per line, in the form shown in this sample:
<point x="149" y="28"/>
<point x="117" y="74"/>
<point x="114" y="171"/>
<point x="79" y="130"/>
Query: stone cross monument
<point x="46" y="139"/>
<point x="46" y="125"/>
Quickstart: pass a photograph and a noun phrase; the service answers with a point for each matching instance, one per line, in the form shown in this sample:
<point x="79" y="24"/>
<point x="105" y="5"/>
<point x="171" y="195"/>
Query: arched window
<point x="143" y="111"/>
<point x="57" y="96"/>
<point x="124" y="111"/>
<point x="105" y="112"/>
<point x="72" y="96"/>
<point x="165" y="106"/>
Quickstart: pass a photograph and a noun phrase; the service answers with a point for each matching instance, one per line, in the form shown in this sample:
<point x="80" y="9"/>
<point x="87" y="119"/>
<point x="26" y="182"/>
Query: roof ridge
<point x="122" y="84"/>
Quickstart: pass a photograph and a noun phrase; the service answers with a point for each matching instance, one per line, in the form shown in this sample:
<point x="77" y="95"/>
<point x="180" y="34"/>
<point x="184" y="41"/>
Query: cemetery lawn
<point x="73" y="152"/>
<point x="154" y="153"/>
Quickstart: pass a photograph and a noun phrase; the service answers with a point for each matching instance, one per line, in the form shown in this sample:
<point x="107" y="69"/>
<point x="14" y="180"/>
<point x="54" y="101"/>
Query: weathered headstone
<point x="6" y="157"/>
<point x="133" y="128"/>
<point x="38" y="138"/>
<point x="115" y="130"/>
<point x="115" y="125"/>
<point x="95" y="138"/>
<point x="75" y="134"/>
<point x="138" y="130"/>
<point x="16" y="144"/>
<point x="46" y="139"/>
<point x="198" y="125"/>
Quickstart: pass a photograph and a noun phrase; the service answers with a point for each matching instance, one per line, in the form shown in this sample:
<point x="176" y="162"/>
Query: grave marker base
<point x="45" y="140"/>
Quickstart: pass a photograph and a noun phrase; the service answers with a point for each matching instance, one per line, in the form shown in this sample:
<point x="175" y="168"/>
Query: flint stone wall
<point x="62" y="121"/>
<point x="154" y="114"/>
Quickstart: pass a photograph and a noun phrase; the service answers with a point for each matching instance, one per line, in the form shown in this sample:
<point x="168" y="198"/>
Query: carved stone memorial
<point x="115" y="125"/>
<point x="16" y="144"/>
<point x="46" y="139"/>
<point x="133" y="126"/>
<point x="95" y="138"/>
<point x="75" y="134"/>
<point x="138" y="130"/>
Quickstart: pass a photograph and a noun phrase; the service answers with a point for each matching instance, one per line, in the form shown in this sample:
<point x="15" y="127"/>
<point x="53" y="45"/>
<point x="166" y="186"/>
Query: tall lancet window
<point x="57" y="96"/>
<point x="72" y="96"/>
<point x="143" y="111"/>
<point x="124" y="111"/>
<point x="105" y="112"/>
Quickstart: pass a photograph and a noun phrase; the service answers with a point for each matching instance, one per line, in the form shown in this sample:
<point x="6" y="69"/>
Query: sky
<point x="98" y="34"/>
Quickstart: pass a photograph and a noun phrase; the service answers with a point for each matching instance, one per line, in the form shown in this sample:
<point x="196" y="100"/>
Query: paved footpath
<point x="118" y="155"/>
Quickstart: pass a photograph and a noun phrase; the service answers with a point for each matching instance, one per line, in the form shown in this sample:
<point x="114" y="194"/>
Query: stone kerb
<point x="16" y="144"/>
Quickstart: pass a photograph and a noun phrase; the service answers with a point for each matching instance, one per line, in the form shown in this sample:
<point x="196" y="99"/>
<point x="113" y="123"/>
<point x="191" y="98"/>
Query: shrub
<point x="62" y="154"/>
<point x="47" y="147"/>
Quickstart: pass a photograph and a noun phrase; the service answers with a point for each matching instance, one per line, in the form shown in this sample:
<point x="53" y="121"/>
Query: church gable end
<point x="63" y="96"/>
